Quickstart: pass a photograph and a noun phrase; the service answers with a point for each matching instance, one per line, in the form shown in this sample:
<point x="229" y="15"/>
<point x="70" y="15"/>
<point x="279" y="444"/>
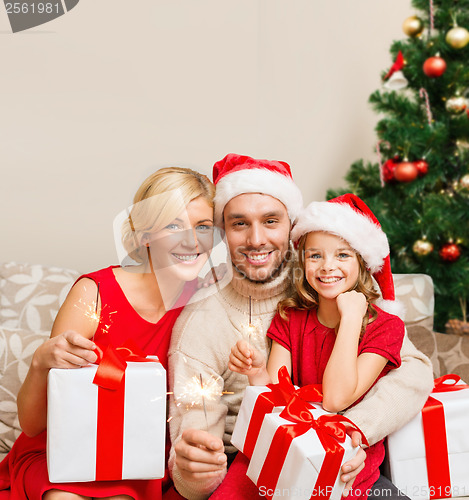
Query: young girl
<point x="331" y="331"/>
<point x="169" y="234"/>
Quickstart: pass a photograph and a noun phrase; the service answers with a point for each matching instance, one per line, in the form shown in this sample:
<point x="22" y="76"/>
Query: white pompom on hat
<point x="352" y="220"/>
<point x="237" y="174"/>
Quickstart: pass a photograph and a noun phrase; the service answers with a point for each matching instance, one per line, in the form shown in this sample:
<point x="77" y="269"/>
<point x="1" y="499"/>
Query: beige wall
<point x="94" y="101"/>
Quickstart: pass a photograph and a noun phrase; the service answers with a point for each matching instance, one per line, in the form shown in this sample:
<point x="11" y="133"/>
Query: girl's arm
<point x="348" y="376"/>
<point x="279" y="356"/>
<point x="68" y="347"/>
<point x="247" y="360"/>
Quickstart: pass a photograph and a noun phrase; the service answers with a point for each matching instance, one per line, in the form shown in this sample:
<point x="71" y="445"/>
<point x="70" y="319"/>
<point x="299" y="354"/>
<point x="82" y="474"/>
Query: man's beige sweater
<point x="200" y="346"/>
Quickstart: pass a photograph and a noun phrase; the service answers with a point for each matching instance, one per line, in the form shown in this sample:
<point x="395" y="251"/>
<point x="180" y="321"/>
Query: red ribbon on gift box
<point x="280" y="395"/>
<point x="330" y="429"/>
<point x="434" y="433"/>
<point x="110" y="379"/>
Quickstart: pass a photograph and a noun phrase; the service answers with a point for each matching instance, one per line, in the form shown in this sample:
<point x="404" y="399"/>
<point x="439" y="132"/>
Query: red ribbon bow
<point x="279" y="395"/>
<point x="112" y="363"/>
<point x="331" y="430"/>
<point x="337" y="426"/>
<point x="311" y="393"/>
<point x="434" y="433"/>
<point x="441" y="384"/>
<point x="110" y="379"/>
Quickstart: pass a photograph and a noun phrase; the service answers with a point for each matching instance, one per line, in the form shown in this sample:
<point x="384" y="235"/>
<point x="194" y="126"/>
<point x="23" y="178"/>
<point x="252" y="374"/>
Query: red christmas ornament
<point x="388" y="169"/>
<point x="434" y="66"/>
<point x="422" y="167"/>
<point x="450" y="252"/>
<point x="405" y="171"/>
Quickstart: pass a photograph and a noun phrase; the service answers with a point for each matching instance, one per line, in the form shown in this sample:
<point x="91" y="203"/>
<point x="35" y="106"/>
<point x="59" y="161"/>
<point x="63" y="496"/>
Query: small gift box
<point x="107" y="422"/>
<point x="429" y="457"/>
<point x="261" y="400"/>
<point x="300" y="451"/>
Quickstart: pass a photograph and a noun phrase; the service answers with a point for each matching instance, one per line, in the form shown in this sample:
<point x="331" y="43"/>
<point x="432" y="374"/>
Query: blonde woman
<point x="168" y="233"/>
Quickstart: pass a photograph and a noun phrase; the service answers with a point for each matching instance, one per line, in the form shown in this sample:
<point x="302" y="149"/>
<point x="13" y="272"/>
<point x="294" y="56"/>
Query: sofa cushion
<point x="425" y="341"/>
<point x="415" y="291"/>
<point x="30" y="295"/>
<point x="17" y="347"/>
<point x="453" y="354"/>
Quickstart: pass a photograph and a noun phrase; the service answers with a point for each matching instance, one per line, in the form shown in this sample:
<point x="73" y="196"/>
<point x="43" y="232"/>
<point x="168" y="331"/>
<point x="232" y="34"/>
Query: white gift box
<point x="250" y="415"/>
<point x="246" y="411"/>
<point x="72" y="414"/>
<point x="407" y="454"/>
<point x="302" y="465"/>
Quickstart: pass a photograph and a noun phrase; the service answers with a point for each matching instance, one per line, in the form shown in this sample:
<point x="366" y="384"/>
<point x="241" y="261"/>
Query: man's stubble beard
<point x="274" y="274"/>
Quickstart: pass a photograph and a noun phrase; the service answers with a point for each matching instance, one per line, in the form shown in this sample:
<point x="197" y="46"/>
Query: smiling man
<point x="256" y="203"/>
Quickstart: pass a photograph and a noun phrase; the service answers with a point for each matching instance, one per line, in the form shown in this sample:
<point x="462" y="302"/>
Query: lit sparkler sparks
<point x="253" y="329"/>
<point x="198" y="391"/>
<point x="91" y="311"/>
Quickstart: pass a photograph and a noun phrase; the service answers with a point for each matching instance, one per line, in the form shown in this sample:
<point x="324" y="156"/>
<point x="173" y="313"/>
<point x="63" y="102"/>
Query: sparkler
<point x="197" y="392"/>
<point x="203" y="399"/>
<point x="91" y="310"/>
<point x="251" y="331"/>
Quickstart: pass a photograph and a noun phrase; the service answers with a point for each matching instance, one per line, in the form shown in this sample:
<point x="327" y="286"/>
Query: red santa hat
<point x="237" y="174"/>
<point x="351" y="219"/>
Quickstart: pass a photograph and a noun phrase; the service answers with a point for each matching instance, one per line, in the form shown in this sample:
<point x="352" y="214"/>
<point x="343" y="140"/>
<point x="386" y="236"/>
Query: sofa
<point x="30" y="296"/>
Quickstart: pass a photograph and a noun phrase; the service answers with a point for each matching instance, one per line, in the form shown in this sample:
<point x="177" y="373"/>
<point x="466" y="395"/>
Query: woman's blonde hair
<point x="305" y="297"/>
<point x="158" y="201"/>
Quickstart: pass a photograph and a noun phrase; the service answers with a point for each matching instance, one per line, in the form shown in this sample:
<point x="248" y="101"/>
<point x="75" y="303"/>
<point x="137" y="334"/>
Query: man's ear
<point x="295" y="243"/>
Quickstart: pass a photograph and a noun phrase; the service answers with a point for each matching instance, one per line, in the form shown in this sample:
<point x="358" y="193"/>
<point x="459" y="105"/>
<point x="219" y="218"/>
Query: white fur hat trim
<point x="258" y="180"/>
<point x="360" y="232"/>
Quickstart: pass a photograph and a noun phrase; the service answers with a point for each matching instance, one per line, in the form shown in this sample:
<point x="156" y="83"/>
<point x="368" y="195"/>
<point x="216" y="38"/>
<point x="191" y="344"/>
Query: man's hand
<point x="213" y="276"/>
<point x="200" y="456"/>
<point x="353" y="467"/>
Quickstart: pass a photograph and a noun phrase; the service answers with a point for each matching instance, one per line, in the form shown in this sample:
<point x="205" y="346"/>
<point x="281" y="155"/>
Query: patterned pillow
<point x="453" y="354"/>
<point x="425" y="341"/>
<point x="30" y="295"/>
<point x="17" y="347"/>
<point x="415" y="291"/>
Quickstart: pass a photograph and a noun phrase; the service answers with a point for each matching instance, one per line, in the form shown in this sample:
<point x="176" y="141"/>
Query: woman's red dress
<point x="24" y="469"/>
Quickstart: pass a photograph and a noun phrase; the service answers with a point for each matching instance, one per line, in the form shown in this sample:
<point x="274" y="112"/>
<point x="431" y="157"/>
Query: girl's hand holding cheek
<point x="352" y="303"/>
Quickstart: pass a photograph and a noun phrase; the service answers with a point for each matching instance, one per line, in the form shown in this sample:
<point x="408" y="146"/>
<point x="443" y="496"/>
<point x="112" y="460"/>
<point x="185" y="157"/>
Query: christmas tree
<point x="419" y="189"/>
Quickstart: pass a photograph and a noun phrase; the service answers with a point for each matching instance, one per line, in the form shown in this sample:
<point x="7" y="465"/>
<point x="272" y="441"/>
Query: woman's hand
<point x="67" y="350"/>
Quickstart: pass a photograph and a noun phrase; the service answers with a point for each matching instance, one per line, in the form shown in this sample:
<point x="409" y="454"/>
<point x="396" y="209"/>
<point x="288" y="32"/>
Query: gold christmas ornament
<point x="456" y="105"/>
<point x="457" y="37"/>
<point x="464" y="182"/>
<point x="422" y="247"/>
<point x="412" y="26"/>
